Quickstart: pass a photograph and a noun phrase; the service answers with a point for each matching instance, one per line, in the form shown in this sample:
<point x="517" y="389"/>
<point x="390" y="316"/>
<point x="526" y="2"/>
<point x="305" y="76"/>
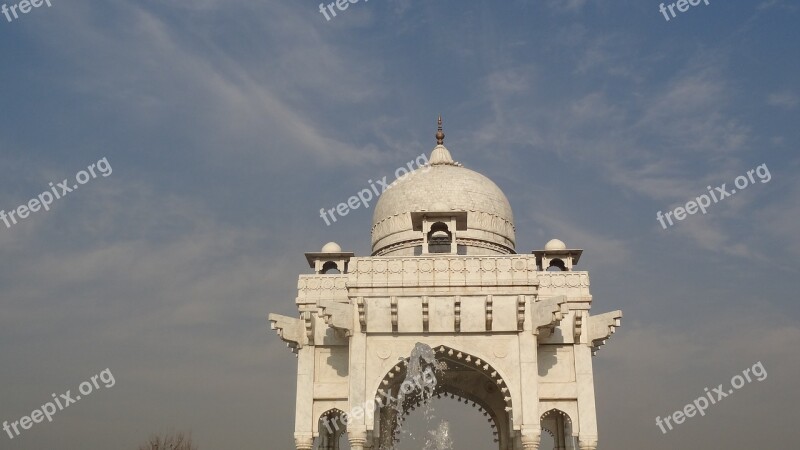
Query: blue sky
<point x="229" y="124"/>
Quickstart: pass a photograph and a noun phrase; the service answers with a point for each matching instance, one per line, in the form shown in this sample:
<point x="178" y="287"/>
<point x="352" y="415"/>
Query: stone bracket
<point x="488" y="306"/>
<point x="338" y="315"/>
<point x="547" y="313"/>
<point x="425" y="314"/>
<point x="362" y="313"/>
<point x="578" y="325"/>
<point x="601" y="327"/>
<point x="520" y="312"/>
<point x="290" y="330"/>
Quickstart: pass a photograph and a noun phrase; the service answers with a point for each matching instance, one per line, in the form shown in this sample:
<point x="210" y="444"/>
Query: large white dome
<point x="443" y="185"/>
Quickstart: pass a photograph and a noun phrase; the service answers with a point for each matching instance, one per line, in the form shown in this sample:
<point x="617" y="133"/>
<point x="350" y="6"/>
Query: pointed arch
<point x="470" y="378"/>
<point x="559" y="425"/>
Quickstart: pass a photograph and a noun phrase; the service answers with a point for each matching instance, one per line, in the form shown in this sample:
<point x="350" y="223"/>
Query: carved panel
<point x="331" y="364"/>
<point x="556" y="364"/>
<point x="504" y="312"/>
<point x="442" y="318"/>
<point x="409" y="312"/>
<point x="378" y="312"/>
<point x="473" y="313"/>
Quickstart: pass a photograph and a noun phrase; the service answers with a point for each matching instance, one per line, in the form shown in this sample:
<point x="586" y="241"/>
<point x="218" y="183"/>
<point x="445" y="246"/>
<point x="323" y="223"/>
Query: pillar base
<point x="358" y="439"/>
<point x="305" y="442"/>
<point x="531" y="439"/>
<point x="587" y="442"/>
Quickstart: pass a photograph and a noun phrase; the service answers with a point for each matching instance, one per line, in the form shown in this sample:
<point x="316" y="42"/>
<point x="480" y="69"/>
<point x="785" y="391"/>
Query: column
<point x="304" y="406"/>
<point x="587" y="414"/>
<point x="531" y="432"/>
<point x="357" y="375"/>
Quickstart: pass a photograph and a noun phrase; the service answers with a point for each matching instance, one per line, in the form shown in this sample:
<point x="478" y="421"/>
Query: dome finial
<point x="440" y="133"/>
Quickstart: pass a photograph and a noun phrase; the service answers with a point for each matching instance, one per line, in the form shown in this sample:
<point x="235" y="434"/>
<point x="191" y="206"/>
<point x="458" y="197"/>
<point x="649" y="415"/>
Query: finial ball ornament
<point x="331" y="247"/>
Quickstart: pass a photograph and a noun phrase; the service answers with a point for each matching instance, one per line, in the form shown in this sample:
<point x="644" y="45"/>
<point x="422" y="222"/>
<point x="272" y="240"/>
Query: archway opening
<point x="466" y="380"/>
<point x="547" y="442"/>
<point x="330" y="268"/>
<point x="557" y="431"/>
<point x="453" y="424"/>
<point x="439" y="238"/>
<point x="332" y="432"/>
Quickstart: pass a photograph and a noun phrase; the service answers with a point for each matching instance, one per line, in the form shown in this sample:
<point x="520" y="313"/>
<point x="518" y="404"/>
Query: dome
<point x="331" y="247"/>
<point x="555" y="244"/>
<point x="443" y="185"/>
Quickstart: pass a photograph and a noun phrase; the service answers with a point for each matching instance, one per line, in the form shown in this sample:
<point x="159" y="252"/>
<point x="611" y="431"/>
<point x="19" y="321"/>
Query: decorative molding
<point x="316" y="285"/>
<point x="473" y="242"/>
<point x="411" y="243"/>
<point x="461" y="270"/>
<point x="563" y="279"/>
<point x="476" y="220"/>
<point x="383" y="352"/>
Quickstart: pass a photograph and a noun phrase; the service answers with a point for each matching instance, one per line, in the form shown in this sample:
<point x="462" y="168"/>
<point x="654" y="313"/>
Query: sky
<point x="206" y="135"/>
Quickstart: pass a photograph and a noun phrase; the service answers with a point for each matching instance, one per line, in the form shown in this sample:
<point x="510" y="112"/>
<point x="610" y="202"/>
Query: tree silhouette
<point x="169" y="441"/>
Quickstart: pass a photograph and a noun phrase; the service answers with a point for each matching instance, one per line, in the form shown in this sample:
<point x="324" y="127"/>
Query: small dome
<point x="555" y="244"/>
<point x="331" y="247"/>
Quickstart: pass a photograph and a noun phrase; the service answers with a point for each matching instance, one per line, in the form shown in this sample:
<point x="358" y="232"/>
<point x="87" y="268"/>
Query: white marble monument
<point x="514" y="329"/>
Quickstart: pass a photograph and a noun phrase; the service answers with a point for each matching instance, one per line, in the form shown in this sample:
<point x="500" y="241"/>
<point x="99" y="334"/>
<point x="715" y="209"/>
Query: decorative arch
<point x="468" y="377"/>
<point x="331" y="267"/>
<point x="558" y="424"/>
<point x="557" y="263"/>
<point x="331" y="428"/>
<point x="440" y="238"/>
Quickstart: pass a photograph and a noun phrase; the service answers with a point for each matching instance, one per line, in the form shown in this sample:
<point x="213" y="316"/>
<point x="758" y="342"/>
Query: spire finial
<point x="440" y="133"/>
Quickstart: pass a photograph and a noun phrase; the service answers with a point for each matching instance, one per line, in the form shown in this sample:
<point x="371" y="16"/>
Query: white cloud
<point x="786" y="99"/>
